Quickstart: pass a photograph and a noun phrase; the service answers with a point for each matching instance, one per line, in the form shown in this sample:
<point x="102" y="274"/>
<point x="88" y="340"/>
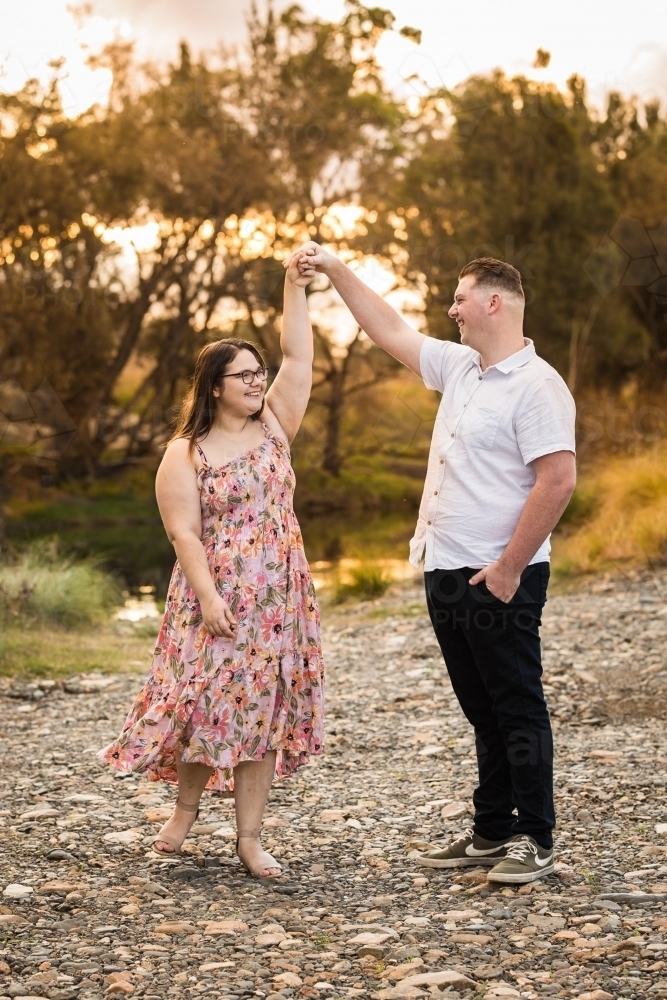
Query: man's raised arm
<point x="376" y="317"/>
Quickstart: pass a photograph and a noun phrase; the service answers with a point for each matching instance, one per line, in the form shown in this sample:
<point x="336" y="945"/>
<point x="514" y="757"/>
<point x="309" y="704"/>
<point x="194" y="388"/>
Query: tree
<point x="135" y="233"/>
<point x="340" y="375"/>
<point x="225" y="165"/>
<point x="634" y="155"/>
<point x="517" y="175"/>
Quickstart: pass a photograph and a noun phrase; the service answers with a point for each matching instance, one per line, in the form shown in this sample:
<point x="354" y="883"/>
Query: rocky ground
<point x="88" y="911"/>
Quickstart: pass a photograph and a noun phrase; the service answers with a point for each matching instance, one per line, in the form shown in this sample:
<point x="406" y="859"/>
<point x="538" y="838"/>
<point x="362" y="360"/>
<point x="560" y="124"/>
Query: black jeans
<point x="492" y="653"/>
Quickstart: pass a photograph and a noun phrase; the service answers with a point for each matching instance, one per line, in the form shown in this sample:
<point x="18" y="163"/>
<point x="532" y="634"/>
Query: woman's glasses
<point x="248" y="376"/>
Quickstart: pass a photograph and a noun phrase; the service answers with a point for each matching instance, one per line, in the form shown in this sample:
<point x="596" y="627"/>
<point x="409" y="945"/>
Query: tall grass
<point x="363" y="582"/>
<point x="617" y="517"/>
<point x="42" y="583"/>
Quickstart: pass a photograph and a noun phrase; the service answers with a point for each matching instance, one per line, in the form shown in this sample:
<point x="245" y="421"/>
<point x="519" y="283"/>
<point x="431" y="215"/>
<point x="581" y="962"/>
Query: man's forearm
<point x="541" y="513"/>
<point x="376" y="317"/>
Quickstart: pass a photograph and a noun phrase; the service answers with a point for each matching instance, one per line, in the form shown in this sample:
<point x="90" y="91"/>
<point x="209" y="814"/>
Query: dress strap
<point x="202" y="456"/>
<point x="276" y="438"/>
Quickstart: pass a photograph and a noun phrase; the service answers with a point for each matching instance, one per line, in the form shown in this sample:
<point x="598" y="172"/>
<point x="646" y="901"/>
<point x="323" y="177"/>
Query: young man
<point x="500" y="473"/>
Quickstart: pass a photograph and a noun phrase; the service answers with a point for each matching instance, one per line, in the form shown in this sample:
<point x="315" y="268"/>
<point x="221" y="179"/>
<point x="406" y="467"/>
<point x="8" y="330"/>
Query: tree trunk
<point x="578" y="342"/>
<point x="332" y="460"/>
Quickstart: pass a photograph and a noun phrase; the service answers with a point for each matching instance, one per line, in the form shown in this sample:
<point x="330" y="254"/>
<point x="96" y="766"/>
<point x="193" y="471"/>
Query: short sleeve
<point x="437" y="358"/>
<point x="545" y="421"/>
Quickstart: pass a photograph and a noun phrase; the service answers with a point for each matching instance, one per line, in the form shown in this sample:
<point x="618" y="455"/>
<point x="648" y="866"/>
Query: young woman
<point x="236" y="690"/>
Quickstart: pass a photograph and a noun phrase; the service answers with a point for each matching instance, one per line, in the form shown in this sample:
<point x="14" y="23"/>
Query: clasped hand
<point x="307" y="260"/>
<point x="502" y="582"/>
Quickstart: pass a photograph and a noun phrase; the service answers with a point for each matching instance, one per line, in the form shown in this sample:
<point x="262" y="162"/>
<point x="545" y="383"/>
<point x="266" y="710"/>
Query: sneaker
<point x="468" y="851"/>
<point x="525" y="861"/>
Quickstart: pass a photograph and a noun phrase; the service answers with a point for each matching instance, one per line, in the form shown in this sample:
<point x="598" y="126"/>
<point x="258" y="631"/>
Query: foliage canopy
<point x="136" y="232"/>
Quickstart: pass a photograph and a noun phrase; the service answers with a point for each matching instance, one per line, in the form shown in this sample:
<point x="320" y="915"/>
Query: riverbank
<point x="354" y="916"/>
<point x="616" y="520"/>
<point x="368" y="512"/>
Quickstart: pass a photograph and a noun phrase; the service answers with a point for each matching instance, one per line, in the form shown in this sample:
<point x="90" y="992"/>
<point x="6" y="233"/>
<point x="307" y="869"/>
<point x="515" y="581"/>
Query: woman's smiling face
<point x="236" y="395"/>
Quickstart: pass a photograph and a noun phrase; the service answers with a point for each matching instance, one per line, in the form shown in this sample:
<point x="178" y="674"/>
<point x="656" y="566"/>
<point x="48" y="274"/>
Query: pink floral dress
<point x="223" y="701"/>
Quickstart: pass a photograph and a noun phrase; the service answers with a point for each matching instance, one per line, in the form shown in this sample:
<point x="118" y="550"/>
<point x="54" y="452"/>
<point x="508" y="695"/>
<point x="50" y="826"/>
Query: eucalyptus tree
<point x="139" y="230"/>
<point x="515" y="169"/>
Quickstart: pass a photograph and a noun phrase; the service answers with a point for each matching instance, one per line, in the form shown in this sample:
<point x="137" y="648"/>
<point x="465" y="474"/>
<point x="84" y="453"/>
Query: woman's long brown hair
<point x="199" y="406"/>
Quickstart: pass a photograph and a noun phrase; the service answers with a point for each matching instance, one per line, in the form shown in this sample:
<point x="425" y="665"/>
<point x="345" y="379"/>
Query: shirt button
<point x="480" y="377"/>
<point x="442" y="461"/>
<point x="435" y="493"/>
<point x="428" y="522"/>
<point x="451" y="435"/>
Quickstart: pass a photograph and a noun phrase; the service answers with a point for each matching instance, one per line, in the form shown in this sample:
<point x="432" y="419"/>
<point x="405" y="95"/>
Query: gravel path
<point x="88" y="911"/>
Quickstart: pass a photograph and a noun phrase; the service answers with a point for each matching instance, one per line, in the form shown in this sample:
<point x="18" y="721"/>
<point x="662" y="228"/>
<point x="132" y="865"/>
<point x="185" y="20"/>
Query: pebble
<point x="40" y="814"/>
<point x="454" y="810"/>
<point x="86" y="901"/>
<point x="17" y="891"/>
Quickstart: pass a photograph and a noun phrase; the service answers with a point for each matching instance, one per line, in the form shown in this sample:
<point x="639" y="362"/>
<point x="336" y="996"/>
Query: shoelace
<point x="466" y="835"/>
<point x="520" y="849"/>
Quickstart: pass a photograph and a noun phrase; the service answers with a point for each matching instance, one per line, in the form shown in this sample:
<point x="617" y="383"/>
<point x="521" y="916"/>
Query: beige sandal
<point x="162" y="838"/>
<point x="255" y="873"/>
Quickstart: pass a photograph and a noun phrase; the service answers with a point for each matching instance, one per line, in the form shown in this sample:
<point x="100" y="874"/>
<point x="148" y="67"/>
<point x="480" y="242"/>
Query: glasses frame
<point x="253" y="375"/>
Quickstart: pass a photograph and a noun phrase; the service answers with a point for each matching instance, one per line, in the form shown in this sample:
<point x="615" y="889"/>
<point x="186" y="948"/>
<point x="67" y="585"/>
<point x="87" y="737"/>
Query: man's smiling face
<point x="469" y="309"/>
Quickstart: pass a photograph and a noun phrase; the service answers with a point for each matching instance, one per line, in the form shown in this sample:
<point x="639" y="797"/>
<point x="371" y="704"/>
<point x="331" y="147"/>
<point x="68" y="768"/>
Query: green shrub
<point x="364" y="582"/>
<point x="583" y="504"/>
<point x="42" y="583"/>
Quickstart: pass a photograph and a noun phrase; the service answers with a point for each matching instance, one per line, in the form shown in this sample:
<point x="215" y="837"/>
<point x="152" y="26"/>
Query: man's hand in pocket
<point x="502" y="582"/>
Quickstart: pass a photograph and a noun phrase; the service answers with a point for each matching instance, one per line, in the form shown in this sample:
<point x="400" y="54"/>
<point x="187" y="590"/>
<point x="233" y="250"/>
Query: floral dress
<point x="222" y="701"/>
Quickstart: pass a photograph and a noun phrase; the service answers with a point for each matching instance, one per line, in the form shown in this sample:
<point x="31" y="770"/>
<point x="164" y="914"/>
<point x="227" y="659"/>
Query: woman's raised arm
<point x="288" y="396"/>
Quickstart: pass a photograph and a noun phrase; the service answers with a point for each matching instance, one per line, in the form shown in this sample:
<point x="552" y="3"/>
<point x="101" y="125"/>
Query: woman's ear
<point x="216" y="391"/>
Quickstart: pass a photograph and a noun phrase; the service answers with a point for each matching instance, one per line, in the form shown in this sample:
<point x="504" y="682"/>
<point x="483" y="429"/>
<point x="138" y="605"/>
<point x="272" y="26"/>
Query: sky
<point x="614" y="45"/>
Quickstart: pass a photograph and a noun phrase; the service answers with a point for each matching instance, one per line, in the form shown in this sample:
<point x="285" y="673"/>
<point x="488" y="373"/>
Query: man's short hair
<point x="491" y="273"/>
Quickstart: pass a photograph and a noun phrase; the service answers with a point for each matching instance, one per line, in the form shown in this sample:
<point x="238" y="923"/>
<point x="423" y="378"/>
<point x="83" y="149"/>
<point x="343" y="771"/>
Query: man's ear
<point x="494" y="303"/>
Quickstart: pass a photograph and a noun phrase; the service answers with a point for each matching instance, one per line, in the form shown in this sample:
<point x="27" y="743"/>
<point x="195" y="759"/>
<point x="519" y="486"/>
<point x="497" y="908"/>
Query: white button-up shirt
<point x="490" y="426"/>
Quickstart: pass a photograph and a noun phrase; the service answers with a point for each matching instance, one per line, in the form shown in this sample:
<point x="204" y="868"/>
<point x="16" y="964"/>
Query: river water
<point x="129" y="538"/>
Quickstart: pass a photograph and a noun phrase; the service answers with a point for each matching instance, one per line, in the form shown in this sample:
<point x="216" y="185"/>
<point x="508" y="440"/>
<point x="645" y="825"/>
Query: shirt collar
<point x="515" y="360"/>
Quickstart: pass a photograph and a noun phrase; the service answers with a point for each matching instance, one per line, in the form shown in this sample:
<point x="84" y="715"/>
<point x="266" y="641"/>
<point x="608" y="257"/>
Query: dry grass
<point x="44" y="584"/>
<point x="617" y="517"/>
<point x="58" y="652"/>
<point x="363" y="582"/>
<point x="56" y="617"/>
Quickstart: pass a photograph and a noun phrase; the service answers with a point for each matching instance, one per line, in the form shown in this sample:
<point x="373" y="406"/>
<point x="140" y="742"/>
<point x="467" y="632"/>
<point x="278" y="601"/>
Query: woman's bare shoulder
<point x="178" y="453"/>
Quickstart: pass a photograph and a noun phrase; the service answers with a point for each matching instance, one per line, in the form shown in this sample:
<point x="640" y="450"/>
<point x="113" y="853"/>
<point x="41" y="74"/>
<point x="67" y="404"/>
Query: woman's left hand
<point x="294" y="275"/>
